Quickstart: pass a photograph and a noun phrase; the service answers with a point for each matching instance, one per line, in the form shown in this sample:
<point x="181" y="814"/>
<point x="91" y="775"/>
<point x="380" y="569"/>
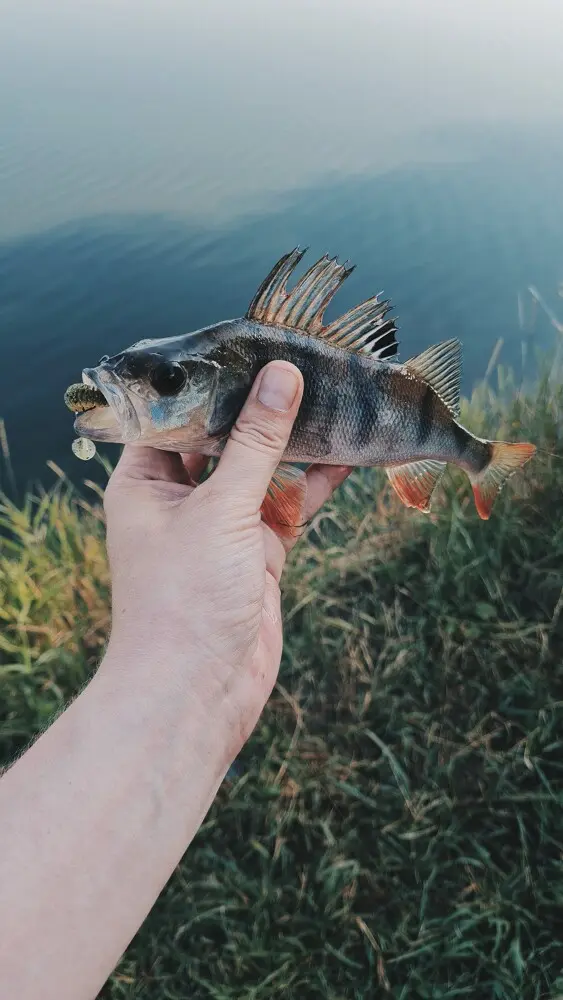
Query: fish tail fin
<point x="505" y="460"/>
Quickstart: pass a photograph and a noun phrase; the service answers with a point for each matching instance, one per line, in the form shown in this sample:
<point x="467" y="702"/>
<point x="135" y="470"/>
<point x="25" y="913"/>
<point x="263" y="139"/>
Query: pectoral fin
<point x="415" y="483"/>
<point x="283" y="506"/>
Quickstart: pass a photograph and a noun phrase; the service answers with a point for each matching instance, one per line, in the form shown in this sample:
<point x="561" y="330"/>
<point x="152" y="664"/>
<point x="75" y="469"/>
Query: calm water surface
<point x="155" y="160"/>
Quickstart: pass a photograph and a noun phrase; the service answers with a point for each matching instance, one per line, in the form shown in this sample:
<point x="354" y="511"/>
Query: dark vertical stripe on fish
<point x="425" y="415"/>
<point x="461" y="439"/>
<point x="313" y="428"/>
<point x="366" y="402"/>
<point x="471" y="453"/>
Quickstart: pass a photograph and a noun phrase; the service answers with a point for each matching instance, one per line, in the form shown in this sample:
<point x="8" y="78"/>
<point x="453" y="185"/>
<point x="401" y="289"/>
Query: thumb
<point x="259" y="437"/>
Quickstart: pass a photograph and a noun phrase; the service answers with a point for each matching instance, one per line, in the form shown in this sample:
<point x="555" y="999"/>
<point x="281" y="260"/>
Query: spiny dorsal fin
<point x="363" y="328"/>
<point x="415" y="482"/>
<point x="440" y="367"/>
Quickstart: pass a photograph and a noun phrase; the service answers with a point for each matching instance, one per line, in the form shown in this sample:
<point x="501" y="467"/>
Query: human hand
<point x="100" y="809"/>
<point x="196" y="571"/>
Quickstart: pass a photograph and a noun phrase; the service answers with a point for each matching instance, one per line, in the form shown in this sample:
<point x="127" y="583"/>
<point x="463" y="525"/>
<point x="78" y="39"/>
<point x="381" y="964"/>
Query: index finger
<point x="322" y="480"/>
<point x="194" y="464"/>
<point x="138" y="462"/>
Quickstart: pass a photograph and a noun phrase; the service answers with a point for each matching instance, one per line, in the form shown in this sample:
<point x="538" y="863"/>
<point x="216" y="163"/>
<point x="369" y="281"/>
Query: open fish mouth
<point x="104" y="410"/>
<point x="80" y="397"/>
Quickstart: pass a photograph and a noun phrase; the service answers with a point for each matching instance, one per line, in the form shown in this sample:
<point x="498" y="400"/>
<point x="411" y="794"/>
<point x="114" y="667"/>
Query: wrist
<point x="175" y="696"/>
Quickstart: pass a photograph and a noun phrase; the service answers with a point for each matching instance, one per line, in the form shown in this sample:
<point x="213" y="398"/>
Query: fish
<point x="360" y="406"/>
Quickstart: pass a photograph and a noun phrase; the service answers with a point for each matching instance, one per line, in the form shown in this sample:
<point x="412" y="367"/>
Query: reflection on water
<point x="154" y="164"/>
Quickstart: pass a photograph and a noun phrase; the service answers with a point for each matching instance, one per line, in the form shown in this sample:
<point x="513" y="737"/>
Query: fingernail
<point x="278" y="387"/>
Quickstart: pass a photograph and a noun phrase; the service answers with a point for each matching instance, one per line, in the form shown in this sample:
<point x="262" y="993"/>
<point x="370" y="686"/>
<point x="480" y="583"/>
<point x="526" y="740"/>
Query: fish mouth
<point x="118" y="421"/>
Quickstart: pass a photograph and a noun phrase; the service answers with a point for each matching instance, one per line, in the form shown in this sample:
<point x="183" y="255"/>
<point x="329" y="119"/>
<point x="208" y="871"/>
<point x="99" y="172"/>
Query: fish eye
<point x="167" y="378"/>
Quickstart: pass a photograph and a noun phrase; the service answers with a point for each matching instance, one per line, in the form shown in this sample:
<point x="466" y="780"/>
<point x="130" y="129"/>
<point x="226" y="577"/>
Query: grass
<point x="396" y="828"/>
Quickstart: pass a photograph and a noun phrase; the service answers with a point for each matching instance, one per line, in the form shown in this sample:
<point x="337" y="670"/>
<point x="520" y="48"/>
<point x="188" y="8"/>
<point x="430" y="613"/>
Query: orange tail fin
<point x="506" y="459"/>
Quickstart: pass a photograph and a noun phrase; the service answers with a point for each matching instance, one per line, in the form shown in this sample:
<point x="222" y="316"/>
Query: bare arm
<point x="94" y="818"/>
<point x="97" y="813"/>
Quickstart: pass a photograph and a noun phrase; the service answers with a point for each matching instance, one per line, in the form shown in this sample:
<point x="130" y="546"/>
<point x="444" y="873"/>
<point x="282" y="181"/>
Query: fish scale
<point x="360" y="407"/>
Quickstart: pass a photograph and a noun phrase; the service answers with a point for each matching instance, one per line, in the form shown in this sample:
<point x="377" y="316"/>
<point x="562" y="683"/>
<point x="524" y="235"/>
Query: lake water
<point x="156" y="159"/>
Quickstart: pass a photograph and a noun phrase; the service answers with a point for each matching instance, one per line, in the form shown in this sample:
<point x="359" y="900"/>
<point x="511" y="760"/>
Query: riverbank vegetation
<point x="395" y="824"/>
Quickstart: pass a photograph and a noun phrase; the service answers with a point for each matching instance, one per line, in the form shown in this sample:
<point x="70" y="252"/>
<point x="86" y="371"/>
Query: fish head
<point x="156" y="393"/>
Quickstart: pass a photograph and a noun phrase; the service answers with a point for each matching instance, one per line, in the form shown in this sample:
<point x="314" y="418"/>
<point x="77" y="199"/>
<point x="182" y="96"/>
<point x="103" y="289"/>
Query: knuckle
<point x="206" y="499"/>
<point x="118" y="495"/>
<point x="111" y="495"/>
<point x="264" y="435"/>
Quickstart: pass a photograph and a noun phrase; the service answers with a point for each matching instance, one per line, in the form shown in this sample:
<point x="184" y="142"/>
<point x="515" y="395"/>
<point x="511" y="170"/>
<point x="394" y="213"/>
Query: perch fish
<point x="360" y="406"/>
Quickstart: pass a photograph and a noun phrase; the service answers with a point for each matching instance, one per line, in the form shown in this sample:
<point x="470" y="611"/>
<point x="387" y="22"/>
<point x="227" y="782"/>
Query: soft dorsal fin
<point x="363" y="328"/>
<point x="440" y="367"/>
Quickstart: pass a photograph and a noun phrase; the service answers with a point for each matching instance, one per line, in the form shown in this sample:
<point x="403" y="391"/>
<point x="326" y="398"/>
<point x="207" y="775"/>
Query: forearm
<point x="95" y="816"/>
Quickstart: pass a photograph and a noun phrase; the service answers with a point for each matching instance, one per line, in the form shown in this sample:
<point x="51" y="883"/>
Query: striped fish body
<point x="360" y="407"/>
<point x="356" y="410"/>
